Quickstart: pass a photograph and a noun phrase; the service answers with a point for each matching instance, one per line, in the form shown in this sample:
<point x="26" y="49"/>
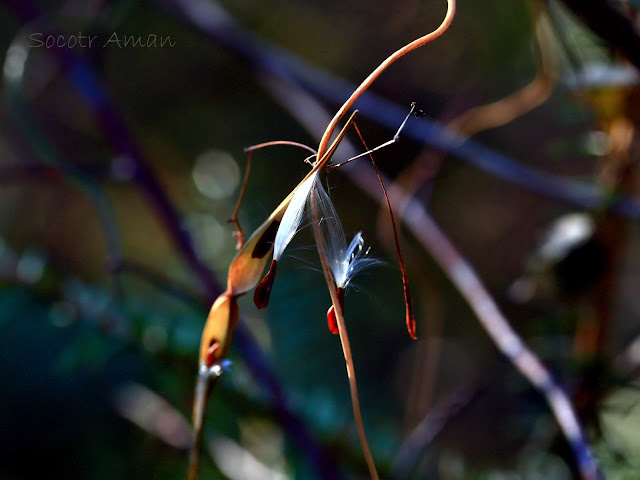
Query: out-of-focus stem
<point x="207" y="377"/>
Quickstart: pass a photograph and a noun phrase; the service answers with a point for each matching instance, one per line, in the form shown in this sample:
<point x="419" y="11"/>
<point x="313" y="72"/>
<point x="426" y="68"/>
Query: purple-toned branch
<point x="431" y="426"/>
<point x="504" y="337"/>
<point x="212" y="20"/>
<point x="414" y="215"/>
<point x="124" y="144"/>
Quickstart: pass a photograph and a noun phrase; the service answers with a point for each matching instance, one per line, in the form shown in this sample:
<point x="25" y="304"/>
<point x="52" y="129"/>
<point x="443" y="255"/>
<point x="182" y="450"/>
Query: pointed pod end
<point x="263" y="290"/>
<point x="411" y="327"/>
<point x="408" y="304"/>
<point x="332" y="319"/>
<point x="411" y="321"/>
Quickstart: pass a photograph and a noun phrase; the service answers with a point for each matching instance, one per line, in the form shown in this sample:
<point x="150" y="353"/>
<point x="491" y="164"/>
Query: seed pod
<point x="217" y="332"/>
<point x="246" y="268"/>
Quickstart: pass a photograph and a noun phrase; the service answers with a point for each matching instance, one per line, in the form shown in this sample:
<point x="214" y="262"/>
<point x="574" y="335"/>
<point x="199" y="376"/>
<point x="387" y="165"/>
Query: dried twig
<point x="431" y="426"/>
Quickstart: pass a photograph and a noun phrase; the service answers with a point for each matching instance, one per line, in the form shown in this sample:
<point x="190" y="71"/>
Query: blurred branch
<point x="491" y="115"/>
<point x="532" y="95"/>
<point x="54" y="160"/>
<point x="152" y="413"/>
<point x="617" y="173"/>
<point x="313" y="116"/>
<point x="160" y="280"/>
<point x="504" y="337"/>
<point x="118" y="137"/>
<point x="123" y="143"/>
<point x="212" y="20"/>
<point x="604" y="19"/>
<point x="430" y="428"/>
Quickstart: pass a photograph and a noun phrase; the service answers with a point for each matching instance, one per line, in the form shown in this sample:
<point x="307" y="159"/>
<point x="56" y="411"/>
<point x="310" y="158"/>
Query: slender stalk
<point x="451" y="9"/>
<point x="207" y="377"/>
<point x="344" y="337"/>
<point x="239" y="233"/>
<point x="279" y="142"/>
<point x="408" y="300"/>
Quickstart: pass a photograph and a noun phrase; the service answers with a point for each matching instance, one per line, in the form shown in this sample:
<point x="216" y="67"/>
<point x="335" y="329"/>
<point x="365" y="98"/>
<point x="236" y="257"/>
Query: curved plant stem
<point x="495" y="114"/>
<point x="408" y="300"/>
<point x="324" y="141"/>
<point x="531" y="96"/>
<point x="344" y="337"/>
<point x="239" y="233"/>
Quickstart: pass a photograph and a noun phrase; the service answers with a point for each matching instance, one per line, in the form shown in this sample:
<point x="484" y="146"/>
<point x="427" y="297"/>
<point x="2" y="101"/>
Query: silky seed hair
<point x="293" y="216"/>
<point x="344" y="261"/>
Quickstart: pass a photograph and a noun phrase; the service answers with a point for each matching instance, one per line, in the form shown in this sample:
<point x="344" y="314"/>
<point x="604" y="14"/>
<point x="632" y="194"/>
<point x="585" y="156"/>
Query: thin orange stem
<point x="279" y="142"/>
<point x="234" y="216"/>
<point x="239" y="233"/>
<point x="451" y="8"/>
<point x="206" y="379"/>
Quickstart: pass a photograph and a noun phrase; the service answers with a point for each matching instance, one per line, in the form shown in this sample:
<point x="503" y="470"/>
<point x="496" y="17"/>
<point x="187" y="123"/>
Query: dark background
<point x="101" y="310"/>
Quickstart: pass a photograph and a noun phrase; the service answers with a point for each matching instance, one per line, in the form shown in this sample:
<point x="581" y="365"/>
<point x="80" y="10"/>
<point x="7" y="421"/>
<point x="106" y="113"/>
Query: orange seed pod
<point x="217" y="332"/>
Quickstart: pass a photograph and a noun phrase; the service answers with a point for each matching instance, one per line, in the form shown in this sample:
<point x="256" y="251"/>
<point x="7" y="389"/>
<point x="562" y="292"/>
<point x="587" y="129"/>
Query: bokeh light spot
<point x="216" y="174"/>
